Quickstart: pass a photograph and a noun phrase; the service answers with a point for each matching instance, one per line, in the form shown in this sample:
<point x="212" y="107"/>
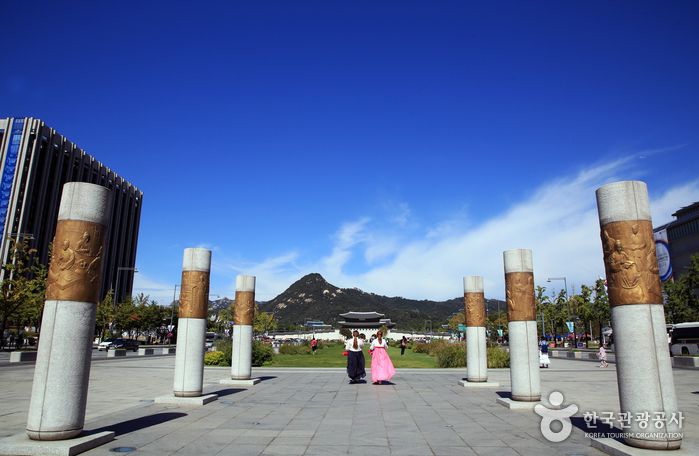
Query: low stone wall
<point x="116" y="353"/>
<point x="146" y="351"/>
<point x="691" y="362"/>
<point x="169" y="350"/>
<point x="22" y="356"/>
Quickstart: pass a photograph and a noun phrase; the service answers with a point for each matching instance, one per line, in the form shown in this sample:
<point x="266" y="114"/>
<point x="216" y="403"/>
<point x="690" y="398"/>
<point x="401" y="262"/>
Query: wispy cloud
<point x="159" y="291"/>
<point x="558" y="222"/>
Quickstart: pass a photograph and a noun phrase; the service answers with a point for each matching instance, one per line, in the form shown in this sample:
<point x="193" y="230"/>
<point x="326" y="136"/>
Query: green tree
<point x="105" y="314"/>
<point x="600" y="305"/>
<point x="23" y="289"/>
<point x="457" y="319"/>
<point x="683" y="295"/>
<point x="264" y="321"/>
<point x="584" y="309"/>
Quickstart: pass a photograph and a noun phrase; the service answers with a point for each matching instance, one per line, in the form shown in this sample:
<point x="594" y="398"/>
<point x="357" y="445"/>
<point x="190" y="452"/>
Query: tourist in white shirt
<point x="355" y="358"/>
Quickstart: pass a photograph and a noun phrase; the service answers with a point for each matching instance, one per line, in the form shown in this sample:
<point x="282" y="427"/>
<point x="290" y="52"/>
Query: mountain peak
<point x="313" y="277"/>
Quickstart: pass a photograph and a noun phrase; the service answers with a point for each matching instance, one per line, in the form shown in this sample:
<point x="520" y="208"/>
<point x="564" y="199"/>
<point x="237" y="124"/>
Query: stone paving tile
<point x="315" y="412"/>
<point x="285" y="450"/>
<point x="452" y="451"/>
<point x="495" y="451"/>
<point x="413" y="450"/>
<point x="327" y="450"/>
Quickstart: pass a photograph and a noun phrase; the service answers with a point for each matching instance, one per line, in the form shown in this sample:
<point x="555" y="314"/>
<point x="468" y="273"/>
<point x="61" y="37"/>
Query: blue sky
<point x="390" y="146"/>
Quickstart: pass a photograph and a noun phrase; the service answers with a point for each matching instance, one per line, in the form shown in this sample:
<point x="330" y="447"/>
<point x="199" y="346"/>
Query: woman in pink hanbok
<point x="382" y="369"/>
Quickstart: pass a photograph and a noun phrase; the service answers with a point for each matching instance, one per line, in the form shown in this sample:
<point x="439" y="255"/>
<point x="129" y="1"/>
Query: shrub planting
<point x="215" y="358"/>
<point x="451" y="355"/>
<point x="498" y="358"/>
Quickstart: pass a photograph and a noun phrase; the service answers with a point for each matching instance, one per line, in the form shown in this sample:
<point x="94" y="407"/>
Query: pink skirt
<point x="381" y="366"/>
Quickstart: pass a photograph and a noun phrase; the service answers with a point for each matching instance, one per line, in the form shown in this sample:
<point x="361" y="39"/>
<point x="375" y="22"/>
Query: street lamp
<point x="565" y="284"/>
<point x="172" y="312"/>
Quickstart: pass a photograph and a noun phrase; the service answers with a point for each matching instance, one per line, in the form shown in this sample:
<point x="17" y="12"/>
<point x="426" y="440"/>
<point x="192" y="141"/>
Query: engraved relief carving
<point x="244" y="307"/>
<point x="630" y="262"/>
<point x="519" y="292"/>
<point x="475" y="309"/>
<point x="194" y="297"/>
<point x="75" y="273"/>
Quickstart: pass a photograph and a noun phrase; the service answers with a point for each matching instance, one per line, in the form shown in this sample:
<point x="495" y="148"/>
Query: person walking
<point x="314" y="345"/>
<point x="382" y="369"/>
<point x="403" y="345"/>
<point x="602" y="355"/>
<point x="355" y="358"/>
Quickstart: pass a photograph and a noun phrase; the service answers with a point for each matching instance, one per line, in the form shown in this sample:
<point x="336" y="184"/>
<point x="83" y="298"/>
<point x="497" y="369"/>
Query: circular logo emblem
<point x="662" y="251"/>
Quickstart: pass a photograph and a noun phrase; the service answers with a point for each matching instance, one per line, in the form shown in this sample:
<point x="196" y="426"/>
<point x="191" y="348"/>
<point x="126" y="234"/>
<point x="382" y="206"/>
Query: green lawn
<point x="331" y="356"/>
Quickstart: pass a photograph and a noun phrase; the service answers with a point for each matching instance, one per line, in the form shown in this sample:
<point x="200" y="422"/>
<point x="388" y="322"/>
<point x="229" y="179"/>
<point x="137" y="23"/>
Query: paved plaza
<point x="315" y="412"/>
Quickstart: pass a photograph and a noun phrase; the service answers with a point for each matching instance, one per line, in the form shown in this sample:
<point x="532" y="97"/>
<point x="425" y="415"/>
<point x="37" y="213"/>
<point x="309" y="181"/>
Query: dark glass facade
<point x="36" y="161"/>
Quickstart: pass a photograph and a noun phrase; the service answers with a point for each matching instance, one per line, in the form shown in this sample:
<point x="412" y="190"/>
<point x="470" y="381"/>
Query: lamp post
<point x="565" y="285"/>
<point x="172" y="312"/>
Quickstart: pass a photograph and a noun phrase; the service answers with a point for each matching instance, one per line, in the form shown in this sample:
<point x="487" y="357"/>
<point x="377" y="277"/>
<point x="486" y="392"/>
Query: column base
<point x="198" y="400"/>
<point x="617" y="448"/>
<point x="244" y="383"/>
<point x="21" y="444"/>
<point x="467" y="384"/>
<point x="516" y="405"/>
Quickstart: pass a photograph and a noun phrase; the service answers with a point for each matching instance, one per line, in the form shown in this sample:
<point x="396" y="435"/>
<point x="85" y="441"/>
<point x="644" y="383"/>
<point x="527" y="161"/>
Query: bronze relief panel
<point x="519" y="291"/>
<point x="630" y="262"/>
<point x="194" y="297"/>
<point x="75" y="269"/>
<point x="475" y="308"/>
<point x="244" y="307"/>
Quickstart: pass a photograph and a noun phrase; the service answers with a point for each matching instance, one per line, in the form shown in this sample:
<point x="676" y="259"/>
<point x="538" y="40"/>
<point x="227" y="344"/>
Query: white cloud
<point x="663" y="207"/>
<point x="558" y="222"/>
<point x="159" y="291"/>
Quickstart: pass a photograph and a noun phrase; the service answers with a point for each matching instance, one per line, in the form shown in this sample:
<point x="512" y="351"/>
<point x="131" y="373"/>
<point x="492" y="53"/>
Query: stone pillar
<point x="644" y="371"/>
<point x="521" y="312"/>
<point x="243" y="316"/>
<point x="191" y="324"/>
<point x="474" y="301"/>
<point x="62" y="372"/>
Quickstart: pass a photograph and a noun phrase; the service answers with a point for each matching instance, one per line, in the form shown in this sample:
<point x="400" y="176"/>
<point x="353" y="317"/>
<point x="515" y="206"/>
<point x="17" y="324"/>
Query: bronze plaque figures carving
<point x="630" y="262"/>
<point x="519" y="291"/>
<point x="244" y="308"/>
<point x="75" y="269"/>
<point x="475" y="308"/>
<point x="194" y="297"/>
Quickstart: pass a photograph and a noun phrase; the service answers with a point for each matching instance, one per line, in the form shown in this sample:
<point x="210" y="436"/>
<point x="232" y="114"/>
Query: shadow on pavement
<point x="504" y="394"/>
<point x="267" y="377"/>
<point x="600" y="429"/>
<point x="226" y="392"/>
<point x="138" y="423"/>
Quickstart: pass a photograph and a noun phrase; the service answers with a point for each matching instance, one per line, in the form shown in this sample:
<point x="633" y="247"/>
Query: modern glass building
<point x="35" y="162"/>
<point x="681" y="240"/>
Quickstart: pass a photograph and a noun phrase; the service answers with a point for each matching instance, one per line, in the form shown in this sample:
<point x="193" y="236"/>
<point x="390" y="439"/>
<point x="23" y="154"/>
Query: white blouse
<point x="349" y="345"/>
<point x="376" y="343"/>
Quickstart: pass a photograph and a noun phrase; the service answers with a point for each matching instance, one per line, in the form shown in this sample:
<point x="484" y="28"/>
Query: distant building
<point x="35" y="162"/>
<point x="317" y="324"/>
<point x="365" y="321"/>
<point x="681" y="238"/>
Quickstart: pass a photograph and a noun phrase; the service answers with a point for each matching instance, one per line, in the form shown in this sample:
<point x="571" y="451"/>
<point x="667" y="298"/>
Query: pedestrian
<point x="382" y="369"/>
<point x="355" y="358"/>
<point x="314" y="345"/>
<point x="403" y="345"/>
<point x="602" y="355"/>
